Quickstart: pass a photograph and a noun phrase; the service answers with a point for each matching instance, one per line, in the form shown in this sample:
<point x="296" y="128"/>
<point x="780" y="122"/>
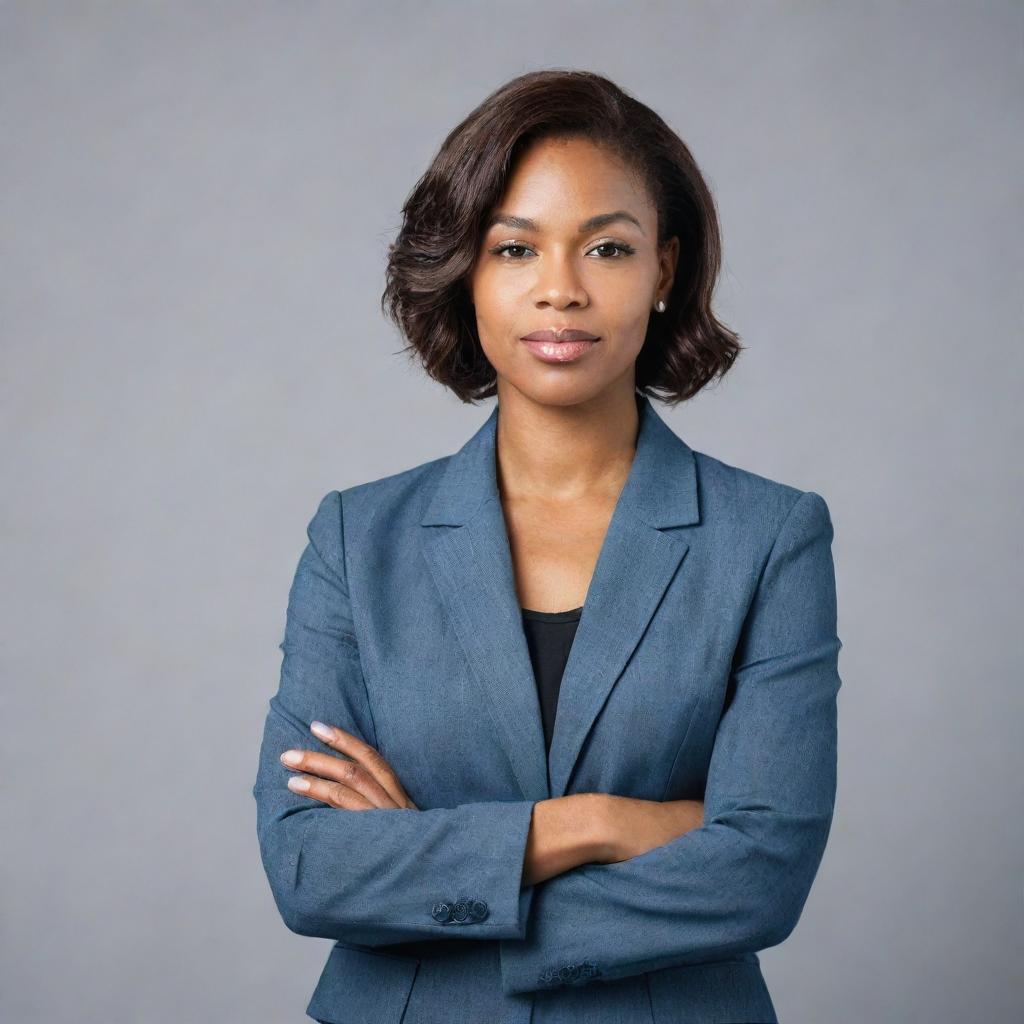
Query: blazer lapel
<point x="471" y="564"/>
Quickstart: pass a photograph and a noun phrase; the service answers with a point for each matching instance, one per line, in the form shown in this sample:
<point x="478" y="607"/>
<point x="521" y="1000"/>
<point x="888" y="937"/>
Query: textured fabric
<point x="549" y="637"/>
<point x="704" y="666"/>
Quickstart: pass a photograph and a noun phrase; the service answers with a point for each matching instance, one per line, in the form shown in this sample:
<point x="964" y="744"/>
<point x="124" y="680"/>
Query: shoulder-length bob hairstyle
<point x="445" y="216"/>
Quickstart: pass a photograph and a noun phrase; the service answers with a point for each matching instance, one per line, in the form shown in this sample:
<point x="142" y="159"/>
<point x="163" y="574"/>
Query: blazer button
<point x="478" y="910"/>
<point x="548" y="978"/>
<point x="569" y="974"/>
<point x="460" y="910"/>
<point x="442" y="912"/>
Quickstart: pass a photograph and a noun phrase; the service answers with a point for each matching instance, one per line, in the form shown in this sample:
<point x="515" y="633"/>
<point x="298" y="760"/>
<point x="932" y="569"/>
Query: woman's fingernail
<point x="325" y="732"/>
<point x="298" y="784"/>
<point x="291" y="757"/>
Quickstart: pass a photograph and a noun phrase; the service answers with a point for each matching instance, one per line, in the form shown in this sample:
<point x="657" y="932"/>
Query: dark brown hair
<point x="445" y="215"/>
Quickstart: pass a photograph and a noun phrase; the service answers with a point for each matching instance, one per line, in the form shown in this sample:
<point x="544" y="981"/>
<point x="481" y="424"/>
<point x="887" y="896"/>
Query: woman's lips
<point x="559" y="351"/>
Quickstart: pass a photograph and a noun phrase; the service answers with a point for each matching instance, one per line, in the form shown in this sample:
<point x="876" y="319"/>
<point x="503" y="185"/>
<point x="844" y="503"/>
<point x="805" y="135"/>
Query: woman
<point x="476" y="857"/>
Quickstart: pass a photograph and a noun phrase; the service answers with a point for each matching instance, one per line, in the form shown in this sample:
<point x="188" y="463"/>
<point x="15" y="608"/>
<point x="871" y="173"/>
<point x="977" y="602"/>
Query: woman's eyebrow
<point x="592" y="224"/>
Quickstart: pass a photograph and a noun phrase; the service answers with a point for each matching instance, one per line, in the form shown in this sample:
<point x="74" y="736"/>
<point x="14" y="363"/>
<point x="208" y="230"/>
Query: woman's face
<point x="542" y="267"/>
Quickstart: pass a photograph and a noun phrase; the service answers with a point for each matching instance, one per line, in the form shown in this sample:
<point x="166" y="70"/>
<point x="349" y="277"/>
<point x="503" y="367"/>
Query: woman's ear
<point x="669" y="259"/>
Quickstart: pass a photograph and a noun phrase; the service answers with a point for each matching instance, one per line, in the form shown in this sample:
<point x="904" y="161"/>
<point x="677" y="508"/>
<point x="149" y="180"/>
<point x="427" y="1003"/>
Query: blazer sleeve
<point x="737" y="884"/>
<point x="379" y="876"/>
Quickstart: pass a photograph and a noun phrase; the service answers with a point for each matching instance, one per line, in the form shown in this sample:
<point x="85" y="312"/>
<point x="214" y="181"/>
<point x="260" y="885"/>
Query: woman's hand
<point x="365" y="782"/>
<point x="633" y="826"/>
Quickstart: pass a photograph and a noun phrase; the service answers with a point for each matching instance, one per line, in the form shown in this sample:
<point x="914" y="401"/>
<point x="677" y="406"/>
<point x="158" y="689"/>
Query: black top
<point x="549" y="635"/>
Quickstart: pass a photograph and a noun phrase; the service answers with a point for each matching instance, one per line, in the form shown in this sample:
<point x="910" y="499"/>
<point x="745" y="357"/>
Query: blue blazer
<point x="705" y="666"/>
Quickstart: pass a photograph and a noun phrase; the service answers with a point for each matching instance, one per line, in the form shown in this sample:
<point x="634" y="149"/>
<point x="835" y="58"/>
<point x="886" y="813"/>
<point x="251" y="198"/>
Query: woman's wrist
<point x="602" y="834"/>
<point x="599" y="828"/>
<point x="625" y="827"/>
<point x="565" y="832"/>
<point x="595" y="827"/>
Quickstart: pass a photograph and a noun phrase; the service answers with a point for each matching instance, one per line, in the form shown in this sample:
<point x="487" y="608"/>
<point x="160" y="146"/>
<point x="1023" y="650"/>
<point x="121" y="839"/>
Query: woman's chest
<point x="452" y="690"/>
<point x="554" y="550"/>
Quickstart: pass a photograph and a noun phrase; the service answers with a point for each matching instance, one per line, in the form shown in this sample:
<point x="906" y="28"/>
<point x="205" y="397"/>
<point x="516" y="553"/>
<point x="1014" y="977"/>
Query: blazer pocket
<point x="360" y="986"/>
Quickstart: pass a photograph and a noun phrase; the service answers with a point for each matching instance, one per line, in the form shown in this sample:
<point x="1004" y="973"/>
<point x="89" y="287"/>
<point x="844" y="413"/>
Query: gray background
<point x="195" y="203"/>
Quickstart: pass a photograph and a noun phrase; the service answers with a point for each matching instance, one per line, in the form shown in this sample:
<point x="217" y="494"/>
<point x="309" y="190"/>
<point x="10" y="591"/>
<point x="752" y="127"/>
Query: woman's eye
<point x="502" y="249"/>
<point x="624" y="249"/>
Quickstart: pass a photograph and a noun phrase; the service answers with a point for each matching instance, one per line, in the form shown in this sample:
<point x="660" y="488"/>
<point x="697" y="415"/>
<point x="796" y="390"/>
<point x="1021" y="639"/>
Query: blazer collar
<point x="471" y="564"/>
<point x="661" y="488"/>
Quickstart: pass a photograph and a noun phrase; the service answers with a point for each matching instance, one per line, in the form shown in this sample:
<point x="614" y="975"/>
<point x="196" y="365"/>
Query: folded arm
<point x="377" y="876"/>
<point x="738" y="883"/>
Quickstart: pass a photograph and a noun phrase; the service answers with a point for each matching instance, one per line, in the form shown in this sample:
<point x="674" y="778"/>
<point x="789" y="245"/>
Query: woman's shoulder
<point x="735" y="495"/>
<point x="395" y="487"/>
<point x="391" y="498"/>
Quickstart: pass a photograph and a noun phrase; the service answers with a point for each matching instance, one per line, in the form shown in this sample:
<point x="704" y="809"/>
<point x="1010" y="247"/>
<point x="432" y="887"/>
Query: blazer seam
<point x="757" y="585"/>
<point x="781" y="531"/>
<point x="348" y="592"/>
<point x="679" y="750"/>
<point x="760" y="579"/>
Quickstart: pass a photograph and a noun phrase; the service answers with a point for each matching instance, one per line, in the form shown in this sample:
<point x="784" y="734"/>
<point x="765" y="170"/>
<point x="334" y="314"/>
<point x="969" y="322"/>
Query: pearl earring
<point x="660" y="306"/>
